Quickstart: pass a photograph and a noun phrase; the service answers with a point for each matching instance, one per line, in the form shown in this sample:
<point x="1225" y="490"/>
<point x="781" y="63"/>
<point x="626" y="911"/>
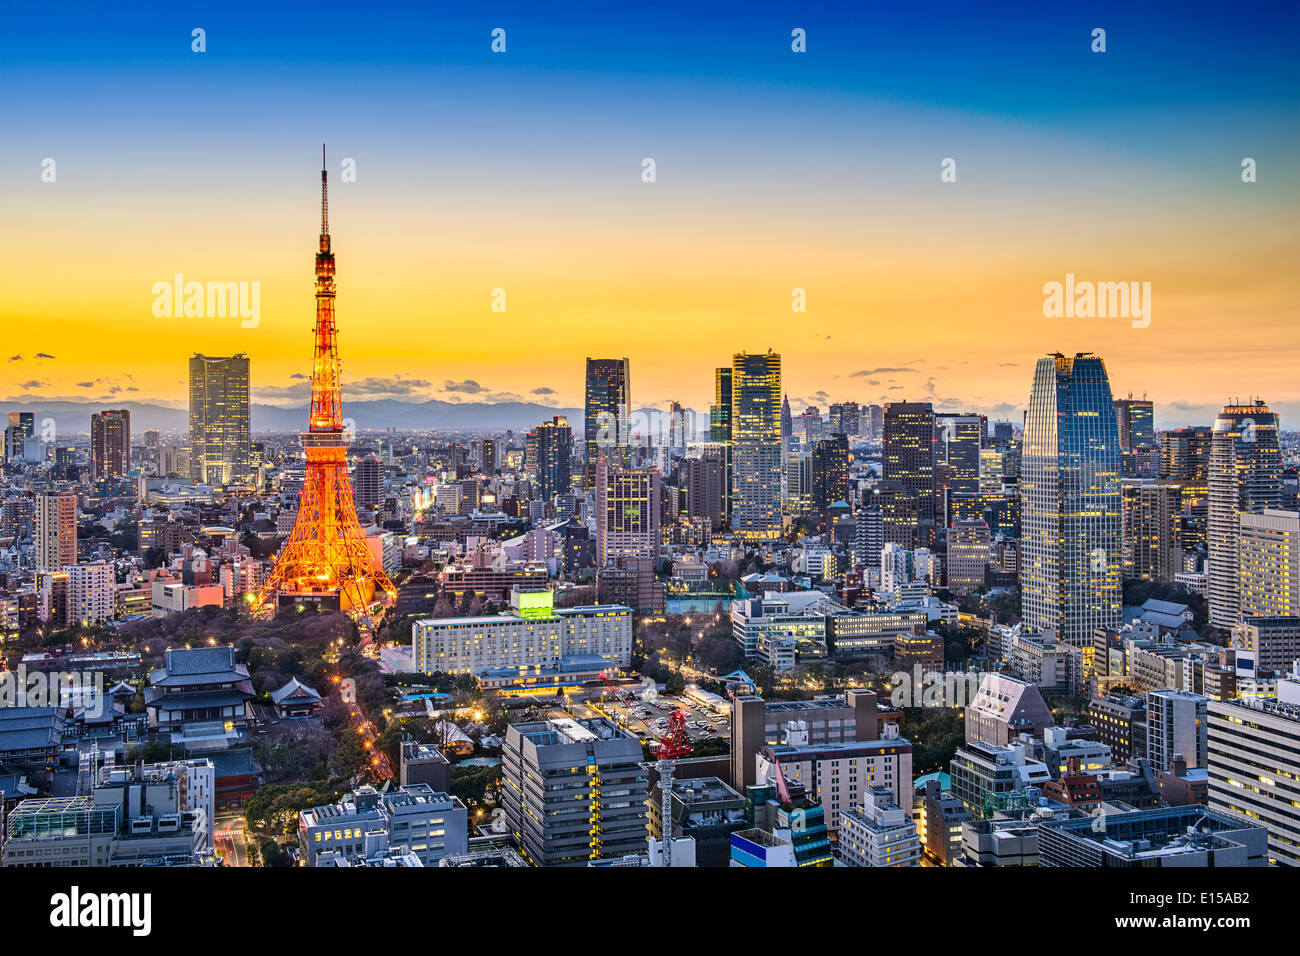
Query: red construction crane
<point x="673" y="745"/>
<point x="675" y="742"/>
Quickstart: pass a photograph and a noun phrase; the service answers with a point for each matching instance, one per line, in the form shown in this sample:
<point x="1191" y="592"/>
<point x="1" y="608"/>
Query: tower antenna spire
<point x="324" y="196"/>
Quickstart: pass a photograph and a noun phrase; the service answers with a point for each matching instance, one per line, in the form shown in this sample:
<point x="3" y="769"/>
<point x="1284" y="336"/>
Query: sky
<point x="775" y="171"/>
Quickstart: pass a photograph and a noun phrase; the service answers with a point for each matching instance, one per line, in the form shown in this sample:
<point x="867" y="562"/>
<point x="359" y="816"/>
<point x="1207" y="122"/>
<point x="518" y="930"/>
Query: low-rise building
<point x="1165" y="836"/>
<point x="878" y="833"/>
<point x="535" y="634"/>
<point x="426" y="823"/>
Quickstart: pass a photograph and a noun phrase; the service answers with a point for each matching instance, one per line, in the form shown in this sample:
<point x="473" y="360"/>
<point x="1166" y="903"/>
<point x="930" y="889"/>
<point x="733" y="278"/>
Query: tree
<point x="350" y="755"/>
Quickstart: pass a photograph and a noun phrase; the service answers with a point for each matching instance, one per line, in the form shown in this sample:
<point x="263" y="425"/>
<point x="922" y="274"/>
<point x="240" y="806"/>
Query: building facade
<point x="1071" y="504"/>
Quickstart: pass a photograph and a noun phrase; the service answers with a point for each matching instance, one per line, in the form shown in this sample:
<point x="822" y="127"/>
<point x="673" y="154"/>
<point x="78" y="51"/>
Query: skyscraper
<point x="1270" y="565"/>
<point x="756" y="444"/>
<point x="798" y="484"/>
<point x="1185" y="453"/>
<point x="56" y="530"/>
<point x="488" y="456"/>
<point x="959" y="441"/>
<point x="369" y="478"/>
<point x="1070" y="494"/>
<point x="553" y="442"/>
<point x="110" y="444"/>
<point x="1152" y="546"/>
<point x="219" y="419"/>
<point x="627" y="513"/>
<point x="1135" y="418"/>
<point x="704" y="477"/>
<point x="720" y="431"/>
<point x="787" y="424"/>
<point x="830" y="472"/>
<point x="1244" y="476"/>
<point x="910" y="451"/>
<point x="606" y="415"/>
<point x="26" y="419"/>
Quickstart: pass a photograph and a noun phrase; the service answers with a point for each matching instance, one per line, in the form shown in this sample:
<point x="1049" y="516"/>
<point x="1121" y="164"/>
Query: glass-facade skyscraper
<point x="606" y="424"/>
<point x="1245" y="475"/>
<point x="756" y="445"/>
<point x="720" y="431"/>
<point x="909" y="451"/>
<point x="1071" y="502"/>
<point x="219" y="419"/>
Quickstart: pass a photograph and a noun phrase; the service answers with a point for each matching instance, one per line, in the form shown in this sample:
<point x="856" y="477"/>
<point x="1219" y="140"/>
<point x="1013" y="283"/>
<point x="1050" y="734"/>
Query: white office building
<point x="534" y="633"/>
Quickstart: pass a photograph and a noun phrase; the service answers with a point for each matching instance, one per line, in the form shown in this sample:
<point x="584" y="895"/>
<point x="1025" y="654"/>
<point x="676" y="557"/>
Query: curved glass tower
<point x="1071" y="501"/>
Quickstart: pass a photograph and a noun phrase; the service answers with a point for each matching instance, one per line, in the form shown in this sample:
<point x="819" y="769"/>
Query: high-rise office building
<point x="787" y="424"/>
<point x="1185" y="453"/>
<point x="875" y="422"/>
<point x="846" y="418"/>
<point x="756" y="445"/>
<point x="574" y="790"/>
<point x="720" y="431"/>
<point x="606" y="415"/>
<point x="1244" y="477"/>
<point x="219" y="452"/>
<point x="1071" y="503"/>
<point x="991" y="470"/>
<point x="1135" y="419"/>
<point x="812" y="425"/>
<point x="960" y="439"/>
<point x="910" y="451"/>
<point x="968" y="555"/>
<point x="1152" y="541"/>
<point x="830" y="472"/>
<point x="56" y="530"/>
<point x="488" y="456"/>
<point x="368" y="481"/>
<point x="1270" y="564"/>
<point x="110" y="444"/>
<point x="704" y="477"/>
<point x="627" y="513"/>
<point x="24" y="420"/>
<point x="798" y="484"/>
<point x="553" y="444"/>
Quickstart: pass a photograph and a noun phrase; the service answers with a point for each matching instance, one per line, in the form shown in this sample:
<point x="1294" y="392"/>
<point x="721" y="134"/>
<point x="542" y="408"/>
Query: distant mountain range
<point x="74" y="417"/>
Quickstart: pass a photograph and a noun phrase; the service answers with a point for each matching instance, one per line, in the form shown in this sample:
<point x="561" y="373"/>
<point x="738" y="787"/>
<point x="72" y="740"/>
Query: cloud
<point x="15" y="358"/>
<point x="467" y="387"/>
<point x="399" y="387"/>
<point x="272" y="393"/>
<point x="543" y="391"/>
<point x="85" y="385"/>
<point x="866" y="372"/>
<point x="44" y="355"/>
<point x="34" y="383"/>
<point x="300" y="377"/>
<point x="396" y="387"/>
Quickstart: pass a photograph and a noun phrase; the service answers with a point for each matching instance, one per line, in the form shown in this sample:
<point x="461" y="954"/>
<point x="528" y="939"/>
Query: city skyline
<point x="776" y="171"/>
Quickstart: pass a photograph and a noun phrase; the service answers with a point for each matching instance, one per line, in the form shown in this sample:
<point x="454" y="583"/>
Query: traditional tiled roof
<point x="295" y="690"/>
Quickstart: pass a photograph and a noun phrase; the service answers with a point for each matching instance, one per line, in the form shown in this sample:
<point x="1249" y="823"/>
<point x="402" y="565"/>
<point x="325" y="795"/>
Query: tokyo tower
<point x="326" y="560"/>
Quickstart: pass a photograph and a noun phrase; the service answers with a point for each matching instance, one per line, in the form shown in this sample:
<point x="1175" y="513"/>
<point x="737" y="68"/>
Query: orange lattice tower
<point x="326" y="560"/>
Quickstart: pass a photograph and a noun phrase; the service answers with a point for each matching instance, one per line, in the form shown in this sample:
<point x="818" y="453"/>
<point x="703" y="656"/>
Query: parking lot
<point x="649" y="718"/>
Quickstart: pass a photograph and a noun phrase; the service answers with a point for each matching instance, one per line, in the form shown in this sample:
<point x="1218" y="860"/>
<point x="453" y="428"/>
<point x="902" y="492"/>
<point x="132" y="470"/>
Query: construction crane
<point x="673" y="745"/>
